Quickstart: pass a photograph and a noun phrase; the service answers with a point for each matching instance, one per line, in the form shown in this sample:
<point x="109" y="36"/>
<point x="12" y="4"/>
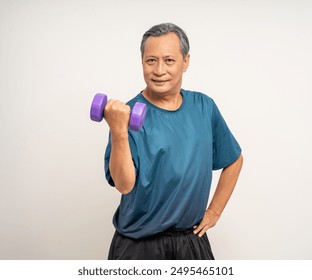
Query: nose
<point x="160" y="68"/>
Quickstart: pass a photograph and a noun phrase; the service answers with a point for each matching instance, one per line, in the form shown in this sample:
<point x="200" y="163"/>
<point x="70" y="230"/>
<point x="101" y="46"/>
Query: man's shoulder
<point x="197" y="96"/>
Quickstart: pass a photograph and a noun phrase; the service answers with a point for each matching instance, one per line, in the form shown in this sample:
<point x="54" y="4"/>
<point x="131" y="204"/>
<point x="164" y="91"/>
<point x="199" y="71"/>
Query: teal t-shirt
<point x="174" y="154"/>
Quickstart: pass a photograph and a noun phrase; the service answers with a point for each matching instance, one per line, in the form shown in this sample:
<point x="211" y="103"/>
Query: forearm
<point x="121" y="165"/>
<point x="225" y="186"/>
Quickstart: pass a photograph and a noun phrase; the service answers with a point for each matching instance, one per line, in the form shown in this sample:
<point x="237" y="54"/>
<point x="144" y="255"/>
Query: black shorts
<point x="168" y="245"/>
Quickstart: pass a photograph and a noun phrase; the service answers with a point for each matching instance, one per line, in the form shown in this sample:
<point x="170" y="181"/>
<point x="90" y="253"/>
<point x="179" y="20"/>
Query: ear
<point x="186" y="62"/>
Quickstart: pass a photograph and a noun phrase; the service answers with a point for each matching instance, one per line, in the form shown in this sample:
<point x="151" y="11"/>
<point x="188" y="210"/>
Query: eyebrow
<point x="154" y="56"/>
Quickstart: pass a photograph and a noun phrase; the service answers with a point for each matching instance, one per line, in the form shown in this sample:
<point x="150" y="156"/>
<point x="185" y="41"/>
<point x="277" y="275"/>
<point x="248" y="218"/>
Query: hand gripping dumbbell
<point x="137" y="114"/>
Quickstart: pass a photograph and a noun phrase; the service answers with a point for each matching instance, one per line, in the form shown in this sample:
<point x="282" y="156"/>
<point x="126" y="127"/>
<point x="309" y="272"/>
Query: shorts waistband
<point x="174" y="232"/>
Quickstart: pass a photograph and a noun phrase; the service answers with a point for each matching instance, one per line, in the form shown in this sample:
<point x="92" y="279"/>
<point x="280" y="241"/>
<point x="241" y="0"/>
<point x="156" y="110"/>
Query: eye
<point x="169" y="61"/>
<point x="151" y="61"/>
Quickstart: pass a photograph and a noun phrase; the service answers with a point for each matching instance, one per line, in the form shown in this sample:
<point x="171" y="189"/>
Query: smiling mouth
<point x="159" y="81"/>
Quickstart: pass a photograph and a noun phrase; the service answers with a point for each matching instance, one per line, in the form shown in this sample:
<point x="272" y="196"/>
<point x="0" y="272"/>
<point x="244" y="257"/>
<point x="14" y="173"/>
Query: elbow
<point x="124" y="182"/>
<point x="125" y="187"/>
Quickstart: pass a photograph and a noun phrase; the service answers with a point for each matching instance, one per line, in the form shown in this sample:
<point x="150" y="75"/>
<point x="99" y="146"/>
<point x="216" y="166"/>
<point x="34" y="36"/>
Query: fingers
<point x="201" y="229"/>
<point x="117" y="106"/>
<point x="209" y="220"/>
<point x="117" y="115"/>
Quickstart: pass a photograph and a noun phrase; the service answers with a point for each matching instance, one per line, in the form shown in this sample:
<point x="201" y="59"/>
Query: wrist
<point x="214" y="211"/>
<point x="119" y="135"/>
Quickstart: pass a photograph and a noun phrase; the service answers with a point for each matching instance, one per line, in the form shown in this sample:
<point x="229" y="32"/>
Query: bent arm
<point x="224" y="190"/>
<point x="121" y="165"/>
<point x="225" y="186"/>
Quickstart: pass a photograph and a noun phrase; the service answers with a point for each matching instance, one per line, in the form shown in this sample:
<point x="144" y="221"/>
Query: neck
<point x="169" y="102"/>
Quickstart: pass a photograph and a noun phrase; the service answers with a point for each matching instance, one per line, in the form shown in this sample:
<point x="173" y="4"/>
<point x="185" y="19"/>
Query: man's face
<point x="163" y="64"/>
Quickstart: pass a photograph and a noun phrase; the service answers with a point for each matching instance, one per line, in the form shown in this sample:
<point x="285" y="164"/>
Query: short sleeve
<point x="225" y="147"/>
<point x="134" y="154"/>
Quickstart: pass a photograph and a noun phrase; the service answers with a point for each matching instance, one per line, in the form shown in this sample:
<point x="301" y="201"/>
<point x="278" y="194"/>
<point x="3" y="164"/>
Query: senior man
<point x="164" y="171"/>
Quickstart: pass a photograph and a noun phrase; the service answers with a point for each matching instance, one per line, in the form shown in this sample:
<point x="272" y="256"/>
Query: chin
<point x="158" y="88"/>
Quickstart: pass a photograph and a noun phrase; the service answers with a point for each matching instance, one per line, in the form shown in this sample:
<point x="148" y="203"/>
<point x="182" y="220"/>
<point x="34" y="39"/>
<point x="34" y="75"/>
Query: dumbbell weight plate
<point x="97" y="107"/>
<point x="137" y="117"/>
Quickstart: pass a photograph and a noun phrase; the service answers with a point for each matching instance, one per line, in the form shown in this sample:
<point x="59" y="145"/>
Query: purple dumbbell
<point x="137" y="116"/>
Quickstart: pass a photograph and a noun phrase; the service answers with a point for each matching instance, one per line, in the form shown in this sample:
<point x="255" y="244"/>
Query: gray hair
<point x="164" y="28"/>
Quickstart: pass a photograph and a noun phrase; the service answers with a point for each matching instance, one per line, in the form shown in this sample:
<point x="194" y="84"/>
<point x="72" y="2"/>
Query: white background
<point x="252" y="57"/>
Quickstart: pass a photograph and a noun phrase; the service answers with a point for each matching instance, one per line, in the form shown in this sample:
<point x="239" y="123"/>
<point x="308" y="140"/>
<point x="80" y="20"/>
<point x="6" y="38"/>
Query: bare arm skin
<point x="224" y="190"/>
<point x="117" y="115"/>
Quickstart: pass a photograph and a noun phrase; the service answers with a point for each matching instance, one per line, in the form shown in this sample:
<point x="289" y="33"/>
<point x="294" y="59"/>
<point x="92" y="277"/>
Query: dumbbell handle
<point x="137" y="116"/>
